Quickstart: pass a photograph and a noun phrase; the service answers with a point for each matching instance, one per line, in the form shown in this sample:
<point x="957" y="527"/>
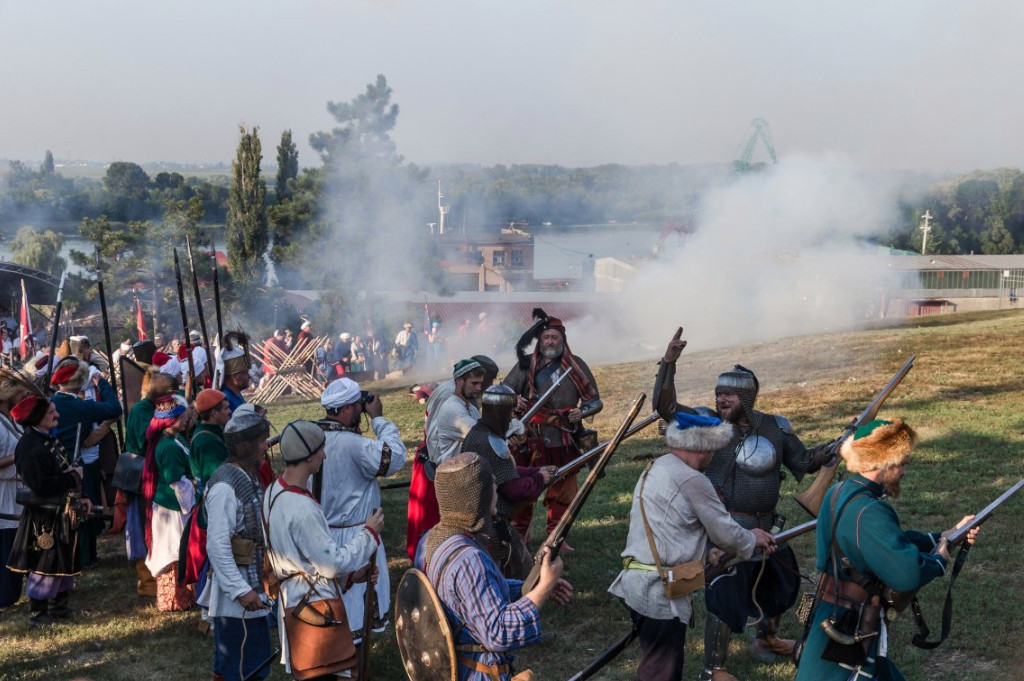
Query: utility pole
<point x="925" y="228"/>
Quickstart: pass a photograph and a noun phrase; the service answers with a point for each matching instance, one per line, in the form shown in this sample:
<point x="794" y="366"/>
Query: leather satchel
<point x="128" y="472"/>
<point x="319" y="637"/>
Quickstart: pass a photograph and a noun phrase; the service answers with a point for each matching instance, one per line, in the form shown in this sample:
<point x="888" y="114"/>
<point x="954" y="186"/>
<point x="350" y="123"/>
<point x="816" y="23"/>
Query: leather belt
<point x="851" y="594"/>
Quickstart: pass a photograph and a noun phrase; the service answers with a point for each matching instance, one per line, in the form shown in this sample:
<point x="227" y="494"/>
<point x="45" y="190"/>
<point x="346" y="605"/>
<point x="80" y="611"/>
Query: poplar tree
<point x="287" y="165"/>
<point x="246" y="234"/>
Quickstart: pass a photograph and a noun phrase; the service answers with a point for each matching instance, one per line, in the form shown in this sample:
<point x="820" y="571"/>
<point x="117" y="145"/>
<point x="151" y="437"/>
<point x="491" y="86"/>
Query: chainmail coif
<point x="464" y="487"/>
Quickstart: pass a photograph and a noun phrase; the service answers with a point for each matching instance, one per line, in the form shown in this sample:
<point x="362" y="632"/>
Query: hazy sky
<point x="891" y="84"/>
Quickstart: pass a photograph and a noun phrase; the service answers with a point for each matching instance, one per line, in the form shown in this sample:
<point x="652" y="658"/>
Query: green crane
<point x="762" y="132"/>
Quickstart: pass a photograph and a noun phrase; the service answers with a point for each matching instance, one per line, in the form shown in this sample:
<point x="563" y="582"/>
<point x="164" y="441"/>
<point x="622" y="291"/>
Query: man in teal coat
<point x="857" y="525"/>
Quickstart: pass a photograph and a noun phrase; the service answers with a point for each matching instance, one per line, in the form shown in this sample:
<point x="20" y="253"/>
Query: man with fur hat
<point x="349" y="491"/>
<point x="233" y="365"/>
<point x="422" y="509"/>
<point x="551" y="432"/>
<point x="747" y="473"/>
<point x="303" y="553"/>
<point x="858" y="530"/>
<point x="234" y="593"/>
<point x="79" y="417"/>
<point x="675" y="511"/>
<point x="515" y="484"/>
<point x="489" y="615"/>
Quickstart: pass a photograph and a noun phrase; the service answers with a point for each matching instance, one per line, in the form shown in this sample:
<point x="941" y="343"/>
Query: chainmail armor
<point x="503" y="469"/>
<point x="250" y="495"/>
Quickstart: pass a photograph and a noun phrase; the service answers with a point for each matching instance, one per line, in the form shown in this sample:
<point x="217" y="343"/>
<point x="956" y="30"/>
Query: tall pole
<point x="106" y="338"/>
<point x="184" y="323"/>
<point x="925" y="228"/>
<point x="217" y="378"/>
<point x="199" y="305"/>
<point x="56" y="330"/>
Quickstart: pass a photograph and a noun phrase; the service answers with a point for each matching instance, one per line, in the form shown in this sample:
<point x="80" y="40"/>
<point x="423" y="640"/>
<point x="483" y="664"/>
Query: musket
<point x="607" y="656"/>
<point x="184" y="324"/>
<point x="811" y="498"/>
<point x="730" y="559"/>
<point x="901" y="599"/>
<point x="580" y="461"/>
<point x="364" y="646"/>
<point x="56" y="329"/>
<point x="77" y="456"/>
<point x="216" y="305"/>
<point x="558" y="535"/>
<point x="199" y="306"/>
<point x="400" y="484"/>
<point x="263" y="665"/>
<point x="109" y="347"/>
<point x="525" y="418"/>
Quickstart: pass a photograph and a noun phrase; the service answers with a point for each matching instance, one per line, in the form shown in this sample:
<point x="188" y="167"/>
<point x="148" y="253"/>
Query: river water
<point x="559" y="250"/>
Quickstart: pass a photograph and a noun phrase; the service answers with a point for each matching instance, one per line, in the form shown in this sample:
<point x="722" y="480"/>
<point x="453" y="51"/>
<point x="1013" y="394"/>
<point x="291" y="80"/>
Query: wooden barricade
<point x="289" y="371"/>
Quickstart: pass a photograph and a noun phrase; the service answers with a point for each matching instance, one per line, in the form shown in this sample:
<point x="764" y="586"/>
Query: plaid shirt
<point x="478" y="603"/>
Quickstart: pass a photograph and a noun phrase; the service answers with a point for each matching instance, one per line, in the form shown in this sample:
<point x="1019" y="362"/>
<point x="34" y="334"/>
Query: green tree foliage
<point x="40" y="250"/>
<point x="128" y="193"/>
<point x="246" y="235"/>
<point x="287" y="165"/>
<point x="47" y="167"/>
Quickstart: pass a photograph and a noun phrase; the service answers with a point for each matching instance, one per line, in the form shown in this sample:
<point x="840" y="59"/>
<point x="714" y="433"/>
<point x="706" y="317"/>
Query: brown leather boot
<point x="722" y="675"/>
<point x="773" y="645"/>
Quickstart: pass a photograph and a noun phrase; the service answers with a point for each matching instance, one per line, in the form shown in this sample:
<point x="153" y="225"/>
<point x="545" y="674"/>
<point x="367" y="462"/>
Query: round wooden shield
<point x="425" y="640"/>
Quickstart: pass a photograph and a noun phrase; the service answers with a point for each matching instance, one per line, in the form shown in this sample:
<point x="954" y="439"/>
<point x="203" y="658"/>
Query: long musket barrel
<point x="545" y="396"/>
<point x="184" y="324"/>
<point x="216" y="306"/>
<point x="368" y="607"/>
<point x="199" y="306"/>
<point x="729" y="559"/>
<point x="607" y="656"/>
<point x="554" y="540"/>
<point x="958" y="536"/>
<point x="581" y="460"/>
<point x="109" y="346"/>
<point x="810" y="499"/>
<point x="56" y="329"/>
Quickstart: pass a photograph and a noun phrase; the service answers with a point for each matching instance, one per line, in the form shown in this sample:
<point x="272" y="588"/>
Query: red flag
<point x="25" y="327"/>
<point x="140" y="321"/>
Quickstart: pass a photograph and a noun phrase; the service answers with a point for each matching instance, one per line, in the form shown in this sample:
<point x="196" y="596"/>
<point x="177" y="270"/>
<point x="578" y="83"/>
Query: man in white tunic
<point x="348" y="486"/>
<point x="682" y="512"/>
<point x="234" y="593"/>
<point x="303" y="554"/>
<point x="447" y="428"/>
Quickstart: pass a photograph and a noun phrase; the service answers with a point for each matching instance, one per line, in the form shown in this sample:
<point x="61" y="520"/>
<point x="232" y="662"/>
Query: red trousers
<point x="558" y="497"/>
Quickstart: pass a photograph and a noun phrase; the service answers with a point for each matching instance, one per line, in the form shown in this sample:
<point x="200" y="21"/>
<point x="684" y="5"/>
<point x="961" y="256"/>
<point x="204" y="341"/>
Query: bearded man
<point x="747" y="473"/>
<point x="858" y="530"/>
<point x="550" y="434"/>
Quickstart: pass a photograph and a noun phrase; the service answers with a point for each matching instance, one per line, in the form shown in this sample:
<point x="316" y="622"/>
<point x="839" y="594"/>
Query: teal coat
<point x="869" y="534"/>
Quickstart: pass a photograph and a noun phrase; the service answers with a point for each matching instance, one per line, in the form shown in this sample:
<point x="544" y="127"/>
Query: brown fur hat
<point x="878" y="445"/>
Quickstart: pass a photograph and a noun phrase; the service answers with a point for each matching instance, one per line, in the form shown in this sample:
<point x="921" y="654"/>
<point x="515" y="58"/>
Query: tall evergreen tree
<point x="287" y="165"/>
<point x="246" y="232"/>
<point x="47" y="167"/>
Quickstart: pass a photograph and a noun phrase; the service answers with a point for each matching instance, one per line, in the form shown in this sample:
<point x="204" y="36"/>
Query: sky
<point x="904" y="84"/>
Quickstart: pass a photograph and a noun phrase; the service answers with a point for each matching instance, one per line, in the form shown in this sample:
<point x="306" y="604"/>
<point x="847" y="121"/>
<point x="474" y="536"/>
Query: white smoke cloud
<point x="775" y="254"/>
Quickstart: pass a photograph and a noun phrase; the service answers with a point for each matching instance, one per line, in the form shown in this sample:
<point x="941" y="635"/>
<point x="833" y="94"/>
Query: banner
<point x="27" y="347"/>
<point x="140" y="321"/>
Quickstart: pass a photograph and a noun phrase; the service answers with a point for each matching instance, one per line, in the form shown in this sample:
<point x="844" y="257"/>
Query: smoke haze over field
<point x="910" y="84"/>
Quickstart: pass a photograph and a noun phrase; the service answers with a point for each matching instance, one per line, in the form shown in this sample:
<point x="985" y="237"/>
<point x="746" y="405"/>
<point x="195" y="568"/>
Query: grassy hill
<point x="963" y="396"/>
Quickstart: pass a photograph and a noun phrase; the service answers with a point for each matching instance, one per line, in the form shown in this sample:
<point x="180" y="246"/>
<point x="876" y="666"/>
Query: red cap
<point x="41" y="362"/>
<point x="160" y="358"/>
<point x="64" y="374"/>
<point x="30" y="410"/>
<point x="182" y="351"/>
<point x="208" y="399"/>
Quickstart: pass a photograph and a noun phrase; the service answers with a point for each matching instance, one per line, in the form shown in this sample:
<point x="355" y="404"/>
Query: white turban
<point x="339" y="393"/>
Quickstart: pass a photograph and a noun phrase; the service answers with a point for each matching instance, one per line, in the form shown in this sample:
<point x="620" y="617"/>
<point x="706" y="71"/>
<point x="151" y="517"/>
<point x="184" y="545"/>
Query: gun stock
<point x="810" y="500"/>
<point x="558" y="535"/>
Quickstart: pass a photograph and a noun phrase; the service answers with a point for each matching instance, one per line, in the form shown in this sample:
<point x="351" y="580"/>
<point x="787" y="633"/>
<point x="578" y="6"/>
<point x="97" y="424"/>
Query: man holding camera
<point x="347" y="484"/>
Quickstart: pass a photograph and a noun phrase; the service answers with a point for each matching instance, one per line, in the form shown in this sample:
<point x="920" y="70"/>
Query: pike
<point x="216" y="304"/>
<point x="109" y="347"/>
<point x="558" y="535"/>
<point x="730" y="559"/>
<point x="810" y="500"/>
<point x="184" y="324"/>
<point x="56" y="329"/>
<point x="199" y="305"/>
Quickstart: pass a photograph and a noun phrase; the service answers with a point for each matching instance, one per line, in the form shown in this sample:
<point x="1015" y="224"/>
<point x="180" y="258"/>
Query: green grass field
<point x="963" y="396"/>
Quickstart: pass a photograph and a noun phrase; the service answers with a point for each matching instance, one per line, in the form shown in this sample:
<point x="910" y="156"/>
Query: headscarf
<point x="168" y="409"/>
<point x="464" y="485"/>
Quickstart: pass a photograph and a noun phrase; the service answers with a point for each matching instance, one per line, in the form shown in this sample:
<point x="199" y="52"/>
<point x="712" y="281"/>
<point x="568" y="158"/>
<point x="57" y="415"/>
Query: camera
<point x="365" y="398"/>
